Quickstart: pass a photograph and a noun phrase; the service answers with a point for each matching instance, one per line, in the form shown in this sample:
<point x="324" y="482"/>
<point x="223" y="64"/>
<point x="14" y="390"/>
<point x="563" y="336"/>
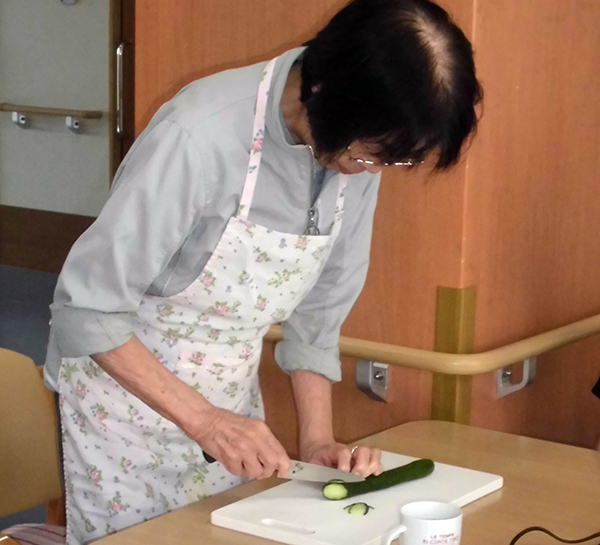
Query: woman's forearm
<point x="136" y="369"/>
<point x="245" y="446"/>
<point x="312" y="394"/>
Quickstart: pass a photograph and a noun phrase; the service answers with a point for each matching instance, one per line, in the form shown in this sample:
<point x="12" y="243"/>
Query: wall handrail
<point x="55" y="112"/>
<point x="461" y="364"/>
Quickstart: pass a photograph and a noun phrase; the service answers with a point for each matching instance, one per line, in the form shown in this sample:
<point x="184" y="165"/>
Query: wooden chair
<point x="29" y="456"/>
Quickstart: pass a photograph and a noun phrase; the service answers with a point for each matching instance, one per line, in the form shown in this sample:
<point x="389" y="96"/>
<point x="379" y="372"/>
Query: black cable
<point x="540" y="529"/>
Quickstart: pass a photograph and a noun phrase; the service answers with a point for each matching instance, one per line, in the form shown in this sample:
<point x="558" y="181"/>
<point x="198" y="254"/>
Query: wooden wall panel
<point x="38" y="239"/>
<point x="419" y="221"/>
<point x="558" y="406"/>
<point x="178" y="41"/>
<point x="533" y="205"/>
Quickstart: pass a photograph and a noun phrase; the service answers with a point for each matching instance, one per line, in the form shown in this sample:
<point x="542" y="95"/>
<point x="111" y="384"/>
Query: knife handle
<point x="208" y="457"/>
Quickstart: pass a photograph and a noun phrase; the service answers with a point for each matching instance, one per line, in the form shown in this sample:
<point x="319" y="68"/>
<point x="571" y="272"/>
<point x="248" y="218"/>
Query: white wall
<point x="54" y="55"/>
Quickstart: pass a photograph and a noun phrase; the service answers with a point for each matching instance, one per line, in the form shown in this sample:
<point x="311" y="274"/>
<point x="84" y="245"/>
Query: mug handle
<point x="393" y="534"/>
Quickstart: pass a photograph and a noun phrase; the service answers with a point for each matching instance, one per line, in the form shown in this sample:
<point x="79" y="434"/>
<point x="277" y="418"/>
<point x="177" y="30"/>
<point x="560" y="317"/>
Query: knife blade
<point x="303" y="471"/>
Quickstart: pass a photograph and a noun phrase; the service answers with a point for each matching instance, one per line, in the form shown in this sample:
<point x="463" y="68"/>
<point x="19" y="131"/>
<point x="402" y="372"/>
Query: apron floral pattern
<point x="123" y="462"/>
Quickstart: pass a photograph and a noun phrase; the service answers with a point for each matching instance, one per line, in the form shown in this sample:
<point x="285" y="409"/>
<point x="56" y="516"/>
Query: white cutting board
<point x="296" y="512"/>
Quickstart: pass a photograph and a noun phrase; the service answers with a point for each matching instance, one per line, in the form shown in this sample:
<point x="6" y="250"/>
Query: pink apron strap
<point x="256" y="153"/>
<point x="258" y="134"/>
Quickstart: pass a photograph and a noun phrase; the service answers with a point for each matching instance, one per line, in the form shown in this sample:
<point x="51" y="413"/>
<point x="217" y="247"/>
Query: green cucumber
<point x="358" y="508"/>
<point x="415" y="470"/>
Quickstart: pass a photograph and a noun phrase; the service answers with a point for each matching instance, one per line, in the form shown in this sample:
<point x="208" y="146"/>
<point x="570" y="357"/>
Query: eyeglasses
<point x="409" y="163"/>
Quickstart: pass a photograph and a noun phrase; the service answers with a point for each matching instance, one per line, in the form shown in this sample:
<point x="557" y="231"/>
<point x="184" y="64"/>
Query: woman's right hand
<point x="245" y="446"/>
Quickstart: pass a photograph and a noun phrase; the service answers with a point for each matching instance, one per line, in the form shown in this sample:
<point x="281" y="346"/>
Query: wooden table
<point x="545" y="484"/>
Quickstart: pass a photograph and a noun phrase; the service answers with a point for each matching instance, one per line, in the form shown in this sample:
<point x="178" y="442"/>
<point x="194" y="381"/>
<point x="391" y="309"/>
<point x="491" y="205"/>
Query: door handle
<point x="120" y="90"/>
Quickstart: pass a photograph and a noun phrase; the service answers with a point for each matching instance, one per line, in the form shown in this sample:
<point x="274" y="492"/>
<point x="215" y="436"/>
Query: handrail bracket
<point x="504" y="385"/>
<point x="20" y="120"/>
<point x="372" y="378"/>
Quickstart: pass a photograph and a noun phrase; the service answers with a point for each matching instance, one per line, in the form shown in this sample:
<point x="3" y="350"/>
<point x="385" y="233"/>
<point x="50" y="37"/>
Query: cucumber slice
<point x="334" y="490"/>
<point x="358" y="508"/>
<point x="409" y="472"/>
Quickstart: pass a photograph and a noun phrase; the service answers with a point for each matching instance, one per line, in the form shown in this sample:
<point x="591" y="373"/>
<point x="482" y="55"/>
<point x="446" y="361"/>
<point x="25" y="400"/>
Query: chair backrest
<point x="29" y="458"/>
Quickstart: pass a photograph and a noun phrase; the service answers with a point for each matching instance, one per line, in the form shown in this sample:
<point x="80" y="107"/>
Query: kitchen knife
<point x="304" y="471"/>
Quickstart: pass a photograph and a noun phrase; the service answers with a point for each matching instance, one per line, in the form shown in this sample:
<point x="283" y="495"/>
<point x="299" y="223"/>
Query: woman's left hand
<point x="363" y="461"/>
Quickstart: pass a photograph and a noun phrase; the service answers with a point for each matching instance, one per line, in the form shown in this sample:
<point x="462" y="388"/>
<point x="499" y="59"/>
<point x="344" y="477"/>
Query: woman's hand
<point x="363" y="461"/>
<point x="245" y="446"/>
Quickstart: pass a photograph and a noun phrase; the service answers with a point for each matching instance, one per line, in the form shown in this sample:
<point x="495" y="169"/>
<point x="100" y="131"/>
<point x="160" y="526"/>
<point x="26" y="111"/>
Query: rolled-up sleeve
<point x="157" y="197"/>
<point x="311" y="334"/>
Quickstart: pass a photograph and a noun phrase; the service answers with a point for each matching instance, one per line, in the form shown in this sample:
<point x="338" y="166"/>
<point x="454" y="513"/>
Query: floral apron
<point x="123" y="462"/>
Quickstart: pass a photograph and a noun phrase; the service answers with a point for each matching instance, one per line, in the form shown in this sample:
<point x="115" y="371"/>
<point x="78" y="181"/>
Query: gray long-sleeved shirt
<point x="171" y="200"/>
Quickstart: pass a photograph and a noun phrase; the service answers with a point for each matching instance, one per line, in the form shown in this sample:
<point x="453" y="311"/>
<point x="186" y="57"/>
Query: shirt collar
<point x="274" y="122"/>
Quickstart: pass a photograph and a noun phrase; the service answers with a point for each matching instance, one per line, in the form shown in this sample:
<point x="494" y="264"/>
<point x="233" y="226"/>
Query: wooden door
<point x="417" y="240"/>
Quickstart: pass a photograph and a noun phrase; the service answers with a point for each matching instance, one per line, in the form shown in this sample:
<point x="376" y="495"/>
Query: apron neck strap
<point x="258" y="134"/>
<point x="256" y="151"/>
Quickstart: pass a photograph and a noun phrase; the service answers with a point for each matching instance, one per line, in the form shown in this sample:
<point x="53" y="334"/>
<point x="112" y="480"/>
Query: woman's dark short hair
<point x="395" y="73"/>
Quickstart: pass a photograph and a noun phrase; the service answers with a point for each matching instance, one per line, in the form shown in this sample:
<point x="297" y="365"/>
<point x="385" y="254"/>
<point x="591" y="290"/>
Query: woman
<point x="247" y="201"/>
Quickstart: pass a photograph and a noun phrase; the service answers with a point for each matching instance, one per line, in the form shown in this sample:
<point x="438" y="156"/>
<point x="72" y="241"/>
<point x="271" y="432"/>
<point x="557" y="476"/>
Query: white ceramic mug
<point x="428" y="523"/>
